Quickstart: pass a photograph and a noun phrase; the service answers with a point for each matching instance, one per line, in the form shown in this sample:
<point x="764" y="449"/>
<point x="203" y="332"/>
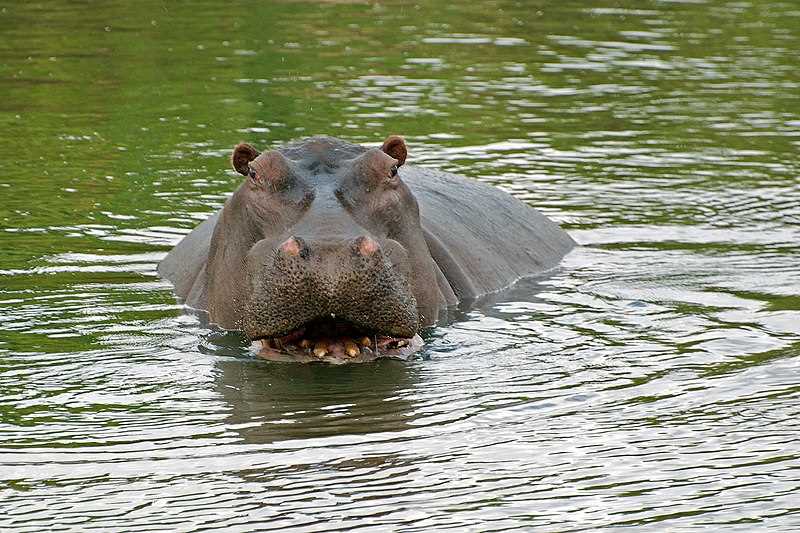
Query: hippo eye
<point x="393" y="171"/>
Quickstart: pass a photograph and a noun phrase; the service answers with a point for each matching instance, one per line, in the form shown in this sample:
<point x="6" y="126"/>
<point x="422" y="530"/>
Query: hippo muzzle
<point x="346" y="298"/>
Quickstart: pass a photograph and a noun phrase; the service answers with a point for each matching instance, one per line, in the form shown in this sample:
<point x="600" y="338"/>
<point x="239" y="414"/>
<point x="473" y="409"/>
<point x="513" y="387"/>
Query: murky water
<point x="651" y="382"/>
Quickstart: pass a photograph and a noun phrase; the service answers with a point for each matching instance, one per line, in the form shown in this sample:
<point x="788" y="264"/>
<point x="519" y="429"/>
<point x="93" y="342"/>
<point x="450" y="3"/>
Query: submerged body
<point x="330" y="250"/>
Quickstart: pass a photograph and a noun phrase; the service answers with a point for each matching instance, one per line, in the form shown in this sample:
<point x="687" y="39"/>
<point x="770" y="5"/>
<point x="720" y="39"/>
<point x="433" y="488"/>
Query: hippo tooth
<point x="320" y="349"/>
<point x="402" y="342"/>
<point x="351" y="348"/>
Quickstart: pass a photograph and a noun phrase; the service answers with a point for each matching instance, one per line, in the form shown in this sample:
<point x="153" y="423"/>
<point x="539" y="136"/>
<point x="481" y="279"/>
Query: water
<point x="650" y="382"/>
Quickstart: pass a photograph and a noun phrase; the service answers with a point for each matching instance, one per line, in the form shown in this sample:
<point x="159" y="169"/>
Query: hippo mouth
<point x="335" y="340"/>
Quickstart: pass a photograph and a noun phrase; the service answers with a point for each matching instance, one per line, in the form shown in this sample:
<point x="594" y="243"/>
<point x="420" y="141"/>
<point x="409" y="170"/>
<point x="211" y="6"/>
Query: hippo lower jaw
<point x="335" y="341"/>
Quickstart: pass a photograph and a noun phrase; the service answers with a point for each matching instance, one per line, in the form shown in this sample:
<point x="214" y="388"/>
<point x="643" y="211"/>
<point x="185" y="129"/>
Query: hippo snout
<point x="306" y="283"/>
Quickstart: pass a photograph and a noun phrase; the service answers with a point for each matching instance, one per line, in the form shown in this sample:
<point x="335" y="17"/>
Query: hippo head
<point x="321" y="250"/>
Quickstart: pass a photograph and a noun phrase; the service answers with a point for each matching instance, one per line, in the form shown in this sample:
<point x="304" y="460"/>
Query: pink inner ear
<point x="395" y="146"/>
<point x="243" y="153"/>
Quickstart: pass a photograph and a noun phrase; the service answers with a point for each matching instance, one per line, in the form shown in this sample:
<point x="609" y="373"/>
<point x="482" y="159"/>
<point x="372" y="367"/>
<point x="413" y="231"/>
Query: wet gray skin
<point x="333" y="251"/>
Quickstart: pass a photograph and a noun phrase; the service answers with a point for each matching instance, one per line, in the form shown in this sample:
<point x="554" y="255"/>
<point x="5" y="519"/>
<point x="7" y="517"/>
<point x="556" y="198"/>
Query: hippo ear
<point x="395" y="146"/>
<point x="243" y="154"/>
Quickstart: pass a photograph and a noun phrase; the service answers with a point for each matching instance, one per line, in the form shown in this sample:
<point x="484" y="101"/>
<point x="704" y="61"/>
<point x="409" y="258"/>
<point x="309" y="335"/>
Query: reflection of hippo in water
<point x="329" y="250"/>
<point x="268" y="403"/>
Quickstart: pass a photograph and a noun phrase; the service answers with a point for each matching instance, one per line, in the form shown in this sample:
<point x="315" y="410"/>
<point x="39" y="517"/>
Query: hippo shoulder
<point x="482" y="238"/>
<point x="185" y="264"/>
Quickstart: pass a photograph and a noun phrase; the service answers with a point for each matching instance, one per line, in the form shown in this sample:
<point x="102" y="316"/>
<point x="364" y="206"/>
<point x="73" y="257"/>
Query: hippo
<point x="333" y="251"/>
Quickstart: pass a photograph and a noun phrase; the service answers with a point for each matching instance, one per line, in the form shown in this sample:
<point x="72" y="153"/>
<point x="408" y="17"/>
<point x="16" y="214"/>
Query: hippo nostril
<point x="365" y="246"/>
<point x="294" y="246"/>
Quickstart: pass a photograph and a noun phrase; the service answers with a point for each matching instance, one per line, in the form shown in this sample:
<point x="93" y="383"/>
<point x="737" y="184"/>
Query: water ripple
<point x="648" y="383"/>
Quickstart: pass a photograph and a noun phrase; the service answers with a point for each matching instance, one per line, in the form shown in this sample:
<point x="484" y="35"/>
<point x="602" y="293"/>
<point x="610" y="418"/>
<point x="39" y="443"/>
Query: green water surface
<point x="652" y="383"/>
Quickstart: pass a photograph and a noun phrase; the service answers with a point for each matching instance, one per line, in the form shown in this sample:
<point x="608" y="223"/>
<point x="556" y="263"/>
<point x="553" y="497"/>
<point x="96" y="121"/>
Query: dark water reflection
<point x="650" y="382"/>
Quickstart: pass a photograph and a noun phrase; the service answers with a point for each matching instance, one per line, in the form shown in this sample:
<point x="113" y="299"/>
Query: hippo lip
<point x="334" y="339"/>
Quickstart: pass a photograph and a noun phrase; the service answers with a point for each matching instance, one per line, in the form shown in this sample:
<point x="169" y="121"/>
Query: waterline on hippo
<point x="331" y="251"/>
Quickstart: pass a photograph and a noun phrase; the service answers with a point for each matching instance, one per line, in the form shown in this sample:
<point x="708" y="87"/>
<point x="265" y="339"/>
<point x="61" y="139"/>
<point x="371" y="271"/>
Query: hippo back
<point x="482" y="238"/>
